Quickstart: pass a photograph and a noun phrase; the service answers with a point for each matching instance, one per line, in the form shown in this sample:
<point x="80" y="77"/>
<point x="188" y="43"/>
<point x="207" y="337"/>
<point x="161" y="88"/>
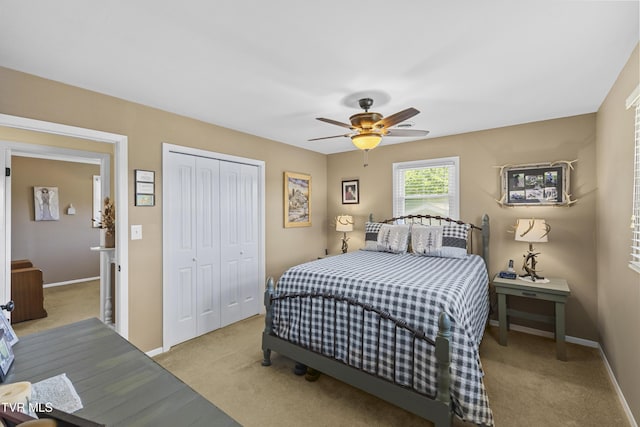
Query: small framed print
<point x="145" y="200"/>
<point x="9" y="334"/>
<point x="6" y="356"/>
<point x="145" y="176"/>
<point x="351" y="192"/>
<point x="145" y="187"/>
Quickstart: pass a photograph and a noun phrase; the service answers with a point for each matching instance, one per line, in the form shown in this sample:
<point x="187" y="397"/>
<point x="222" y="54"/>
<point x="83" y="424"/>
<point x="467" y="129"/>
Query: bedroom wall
<point x="59" y="248"/>
<point x="570" y="252"/>
<point x="147" y="128"/>
<point x="618" y="285"/>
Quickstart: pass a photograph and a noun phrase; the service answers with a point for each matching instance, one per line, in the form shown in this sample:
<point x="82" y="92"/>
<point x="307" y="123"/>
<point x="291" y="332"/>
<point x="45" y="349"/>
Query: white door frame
<point x="166" y="148"/>
<point x="121" y="198"/>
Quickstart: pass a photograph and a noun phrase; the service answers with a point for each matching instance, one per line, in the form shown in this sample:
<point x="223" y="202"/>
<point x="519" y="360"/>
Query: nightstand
<point x="556" y="290"/>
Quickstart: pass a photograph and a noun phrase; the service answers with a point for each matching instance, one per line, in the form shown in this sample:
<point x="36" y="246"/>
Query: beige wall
<point x="618" y="285"/>
<point x="32" y="97"/>
<point x="570" y="252"/>
<point x="59" y="248"/>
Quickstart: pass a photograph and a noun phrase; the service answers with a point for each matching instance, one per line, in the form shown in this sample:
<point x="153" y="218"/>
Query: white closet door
<point x="182" y="284"/>
<point x="240" y="283"/>
<point x="208" y="245"/>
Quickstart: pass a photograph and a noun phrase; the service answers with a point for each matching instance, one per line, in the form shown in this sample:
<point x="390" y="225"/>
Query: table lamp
<point x="532" y="231"/>
<point x="344" y="223"/>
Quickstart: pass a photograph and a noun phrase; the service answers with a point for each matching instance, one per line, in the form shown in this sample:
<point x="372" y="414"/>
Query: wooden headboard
<point x="439" y="220"/>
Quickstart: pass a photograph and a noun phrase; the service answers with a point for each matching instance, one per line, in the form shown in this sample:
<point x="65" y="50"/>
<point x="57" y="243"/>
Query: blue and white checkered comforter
<point x="412" y="288"/>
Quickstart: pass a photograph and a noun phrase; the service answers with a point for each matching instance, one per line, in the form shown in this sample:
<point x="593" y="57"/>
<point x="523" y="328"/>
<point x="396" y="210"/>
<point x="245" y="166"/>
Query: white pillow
<point x="446" y="241"/>
<point x="393" y="238"/>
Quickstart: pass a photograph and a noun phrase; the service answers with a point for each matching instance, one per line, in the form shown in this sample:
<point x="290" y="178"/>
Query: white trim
<point x="454" y="205"/>
<point x="634" y="98"/>
<point x="121" y="202"/>
<point x="58" y="157"/>
<point x="154" y="352"/>
<point x="616" y="386"/>
<point x="634" y="267"/>
<point x="547" y="334"/>
<point x="70" y="282"/>
<point x="261" y="165"/>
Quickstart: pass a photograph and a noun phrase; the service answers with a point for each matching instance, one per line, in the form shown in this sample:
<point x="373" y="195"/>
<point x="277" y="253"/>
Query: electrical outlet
<point x="136" y="232"/>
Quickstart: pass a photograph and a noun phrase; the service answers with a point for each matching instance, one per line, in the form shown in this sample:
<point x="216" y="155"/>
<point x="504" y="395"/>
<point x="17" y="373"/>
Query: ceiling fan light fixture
<point x="366" y="141"/>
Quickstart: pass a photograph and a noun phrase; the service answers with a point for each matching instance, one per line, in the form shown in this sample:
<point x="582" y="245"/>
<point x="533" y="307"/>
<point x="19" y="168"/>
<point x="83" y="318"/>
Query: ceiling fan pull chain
<point x="366" y="158"/>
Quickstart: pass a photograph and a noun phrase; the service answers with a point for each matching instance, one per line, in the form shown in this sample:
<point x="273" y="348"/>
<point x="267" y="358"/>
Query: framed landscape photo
<point x="351" y="192"/>
<point x="297" y="200"/>
<point x="535" y="184"/>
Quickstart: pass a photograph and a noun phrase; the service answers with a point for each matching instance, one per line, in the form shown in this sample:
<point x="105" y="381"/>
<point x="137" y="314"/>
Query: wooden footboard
<point x="434" y="408"/>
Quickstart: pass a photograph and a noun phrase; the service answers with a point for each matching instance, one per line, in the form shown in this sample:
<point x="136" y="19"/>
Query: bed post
<point x="268" y="320"/>
<point x="485" y="239"/>
<point x="443" y="350"/>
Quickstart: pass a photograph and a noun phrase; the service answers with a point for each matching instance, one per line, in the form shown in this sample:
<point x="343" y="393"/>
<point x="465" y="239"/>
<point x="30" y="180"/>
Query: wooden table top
<point x="118" y="384"/>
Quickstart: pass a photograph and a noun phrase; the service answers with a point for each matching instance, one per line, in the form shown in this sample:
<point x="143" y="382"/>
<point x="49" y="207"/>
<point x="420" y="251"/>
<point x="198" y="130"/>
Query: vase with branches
<point x="107" y="222"/>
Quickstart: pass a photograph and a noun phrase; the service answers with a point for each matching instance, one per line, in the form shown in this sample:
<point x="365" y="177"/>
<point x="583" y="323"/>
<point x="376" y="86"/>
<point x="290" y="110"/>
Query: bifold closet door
<point x="239" y="229"/>
<point x="194" y="259"/>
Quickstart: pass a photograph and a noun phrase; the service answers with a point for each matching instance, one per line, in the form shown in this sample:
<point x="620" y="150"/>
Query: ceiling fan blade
<point x="396" y="118"/>
<point x="407" y="132"/>
<point x="329" y="137"/>
<point x="334" y="122"/>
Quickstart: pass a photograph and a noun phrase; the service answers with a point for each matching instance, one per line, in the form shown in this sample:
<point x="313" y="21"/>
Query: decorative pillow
<point x="371" y="230"/>
<point x="386" y="237"/>
<point x="447" y="241"/>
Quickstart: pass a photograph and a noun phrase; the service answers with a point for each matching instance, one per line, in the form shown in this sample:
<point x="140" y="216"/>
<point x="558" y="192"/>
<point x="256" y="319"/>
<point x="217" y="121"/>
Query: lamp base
<point x="344" y="243"/>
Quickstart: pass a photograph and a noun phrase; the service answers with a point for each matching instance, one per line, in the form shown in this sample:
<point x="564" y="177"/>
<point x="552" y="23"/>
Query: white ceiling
<point x="269" y="68"/>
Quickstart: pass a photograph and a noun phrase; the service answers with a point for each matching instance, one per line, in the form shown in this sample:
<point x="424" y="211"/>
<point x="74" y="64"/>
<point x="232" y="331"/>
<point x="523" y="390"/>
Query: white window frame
<point x="454" y="187"/>
<point x="633" y="101"/>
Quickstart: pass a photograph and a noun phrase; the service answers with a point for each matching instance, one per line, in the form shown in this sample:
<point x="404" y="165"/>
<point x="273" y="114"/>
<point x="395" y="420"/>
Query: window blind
<point x="427" y="187"/>
<point x="635" y="216"/>
<point x="634" y="102"/>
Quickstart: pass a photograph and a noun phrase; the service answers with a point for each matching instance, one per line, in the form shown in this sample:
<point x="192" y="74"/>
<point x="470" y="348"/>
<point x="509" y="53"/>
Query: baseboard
<point x="616" y="386"/>
<point x="586" y="343"/>
<point x="547" y="334"/>
<point x="70" y="282"/>
<point x="154" y="352"/>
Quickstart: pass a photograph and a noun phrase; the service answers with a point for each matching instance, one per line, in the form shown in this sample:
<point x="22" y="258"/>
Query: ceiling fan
<point x="368" y="128"/>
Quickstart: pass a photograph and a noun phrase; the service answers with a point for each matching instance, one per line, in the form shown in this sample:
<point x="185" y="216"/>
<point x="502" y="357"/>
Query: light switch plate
<point x="136" y="232"/>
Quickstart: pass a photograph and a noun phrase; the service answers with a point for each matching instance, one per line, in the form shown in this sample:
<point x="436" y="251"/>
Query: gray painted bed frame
<point x="437" y="409"/>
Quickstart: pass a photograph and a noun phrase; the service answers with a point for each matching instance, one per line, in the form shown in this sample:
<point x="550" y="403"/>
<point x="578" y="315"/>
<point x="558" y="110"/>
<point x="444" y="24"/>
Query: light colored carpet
<point x="526" y="384"/>
<point x="64" y="304"/>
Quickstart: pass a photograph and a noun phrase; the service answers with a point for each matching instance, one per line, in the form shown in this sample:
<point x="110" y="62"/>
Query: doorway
<point x="120" y="168"/>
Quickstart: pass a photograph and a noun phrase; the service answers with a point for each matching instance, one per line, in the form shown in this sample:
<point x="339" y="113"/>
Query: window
<point x="634" y="102"/>
<point x="427" y="187"/>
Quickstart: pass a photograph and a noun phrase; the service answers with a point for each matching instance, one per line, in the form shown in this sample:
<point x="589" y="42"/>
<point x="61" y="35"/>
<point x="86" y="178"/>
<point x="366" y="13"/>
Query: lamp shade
<point x="344" y="223"/>
<point x="366" y="141"/>
<point x="532" y="230"/>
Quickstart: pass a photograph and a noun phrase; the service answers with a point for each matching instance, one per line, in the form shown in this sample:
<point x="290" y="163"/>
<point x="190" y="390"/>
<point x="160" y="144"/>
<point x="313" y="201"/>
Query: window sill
<point x="635" y="267"/>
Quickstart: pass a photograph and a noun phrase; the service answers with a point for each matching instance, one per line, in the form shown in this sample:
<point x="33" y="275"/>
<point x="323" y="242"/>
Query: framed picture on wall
<point x="297" y="200"/>
<point x="535" y="184"/>
<point x="46" y="203"/>
<point x="351" y="192"/>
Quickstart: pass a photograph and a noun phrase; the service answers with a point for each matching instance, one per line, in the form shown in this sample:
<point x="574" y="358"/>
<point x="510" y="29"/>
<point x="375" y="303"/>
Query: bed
<point x="392" y="322"/>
